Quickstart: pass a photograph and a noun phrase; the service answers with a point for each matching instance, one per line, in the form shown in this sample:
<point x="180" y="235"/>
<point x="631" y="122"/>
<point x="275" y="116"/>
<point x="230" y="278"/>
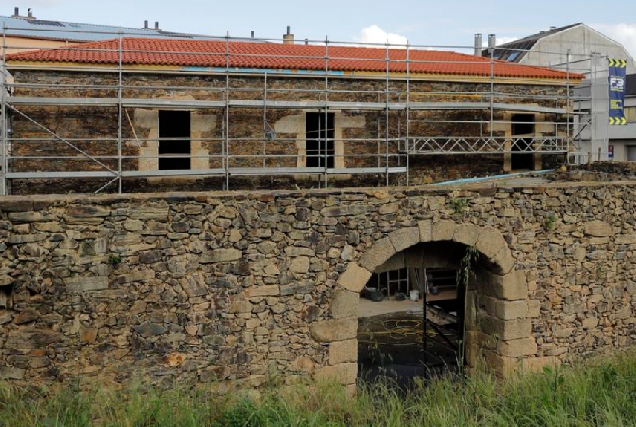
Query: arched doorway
<point x="497" y="316"/>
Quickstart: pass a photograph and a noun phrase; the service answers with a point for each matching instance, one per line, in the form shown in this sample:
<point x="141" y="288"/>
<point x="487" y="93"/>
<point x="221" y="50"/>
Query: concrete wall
<point x="581" y="41"/>
<point x="234" y="287"/>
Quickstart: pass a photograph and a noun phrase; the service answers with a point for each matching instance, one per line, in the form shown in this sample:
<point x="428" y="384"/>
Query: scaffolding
<point x="414" y="115"/>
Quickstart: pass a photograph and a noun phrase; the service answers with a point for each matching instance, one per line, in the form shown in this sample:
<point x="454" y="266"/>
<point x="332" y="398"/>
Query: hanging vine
<point x="465" y="272"/>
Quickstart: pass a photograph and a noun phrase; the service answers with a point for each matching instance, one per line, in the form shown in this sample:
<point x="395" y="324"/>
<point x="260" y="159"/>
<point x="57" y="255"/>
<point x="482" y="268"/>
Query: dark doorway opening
<point x="522" y="126"/>
<point x="174" y="140"/>
<point x="320" y="134"/>
<point x="412" y="320"/>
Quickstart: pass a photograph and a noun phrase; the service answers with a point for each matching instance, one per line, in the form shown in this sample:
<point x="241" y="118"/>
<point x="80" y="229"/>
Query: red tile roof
<point x="197" y="53"/>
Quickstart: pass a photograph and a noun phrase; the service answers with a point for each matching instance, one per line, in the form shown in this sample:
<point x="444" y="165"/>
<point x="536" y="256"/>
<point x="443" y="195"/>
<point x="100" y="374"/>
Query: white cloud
<point x="622" y="33"/>
<point x="375" y="34"/>
<point x="504" y="40"/>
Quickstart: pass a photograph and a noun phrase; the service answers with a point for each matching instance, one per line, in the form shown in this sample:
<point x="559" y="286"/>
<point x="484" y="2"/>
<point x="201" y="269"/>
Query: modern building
<point x="27" y="32"/>
<point x="581" y="49"/>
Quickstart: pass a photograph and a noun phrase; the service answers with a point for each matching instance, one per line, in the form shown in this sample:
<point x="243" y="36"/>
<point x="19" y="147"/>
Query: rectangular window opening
<point x="320" y="134"/>
<point x="174" y="140"/>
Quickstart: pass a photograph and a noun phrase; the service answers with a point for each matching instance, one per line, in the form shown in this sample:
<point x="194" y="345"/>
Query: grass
<point x="600" y="392"/>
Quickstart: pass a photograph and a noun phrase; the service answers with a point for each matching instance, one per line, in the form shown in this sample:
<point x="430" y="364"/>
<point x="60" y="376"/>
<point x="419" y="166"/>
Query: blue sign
<point x="617" y="73"/>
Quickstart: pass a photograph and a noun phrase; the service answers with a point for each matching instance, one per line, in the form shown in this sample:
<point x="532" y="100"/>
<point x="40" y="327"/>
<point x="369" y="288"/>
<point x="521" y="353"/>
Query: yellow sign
<point x="617" y="121"/>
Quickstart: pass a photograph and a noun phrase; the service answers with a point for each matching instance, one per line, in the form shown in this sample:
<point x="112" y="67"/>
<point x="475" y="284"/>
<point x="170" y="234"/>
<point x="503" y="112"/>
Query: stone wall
<point x="236" y="287"/>
<point x="87" y="136"/>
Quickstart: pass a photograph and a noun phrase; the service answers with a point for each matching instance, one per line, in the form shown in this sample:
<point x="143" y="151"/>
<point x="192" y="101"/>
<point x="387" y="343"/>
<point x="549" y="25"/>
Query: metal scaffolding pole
<point x="4" y="184"/>
<point x="386" y="114"/>
<point x="120" y="86"/>
<point x="408" y="109"/>
<point x="326" y="124"/>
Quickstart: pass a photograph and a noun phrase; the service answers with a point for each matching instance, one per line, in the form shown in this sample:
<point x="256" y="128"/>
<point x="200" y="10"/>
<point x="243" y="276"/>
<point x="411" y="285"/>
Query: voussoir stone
<point x="354" y="278"/>
<point x="335" y="330"/>
<point x="405" y="238"/>
<point x="466" y="234"/>
<point x="443" y="230"/>
<point x="377" y="255"/>
<point x="490" y="242"/>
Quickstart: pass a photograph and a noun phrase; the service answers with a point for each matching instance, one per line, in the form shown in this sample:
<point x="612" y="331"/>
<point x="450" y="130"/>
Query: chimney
<point x="478" y="44"/>
<point x="16" y="12"/>
<point x="156" y="25"/>
<point x="288" y="38"/>
<point x="492" y="41"/>
<point x="145" y="24"/>
<point x="30" y="14"/>
<point x="252" y="34"/>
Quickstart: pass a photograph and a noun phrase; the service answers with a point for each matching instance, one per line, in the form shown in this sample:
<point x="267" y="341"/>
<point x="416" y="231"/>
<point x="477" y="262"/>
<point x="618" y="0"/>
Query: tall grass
<point x="600" y="392"/>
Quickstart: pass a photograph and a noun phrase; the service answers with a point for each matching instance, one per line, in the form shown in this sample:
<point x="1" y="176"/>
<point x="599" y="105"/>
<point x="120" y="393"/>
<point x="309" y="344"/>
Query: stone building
<point x="137" y="114"/>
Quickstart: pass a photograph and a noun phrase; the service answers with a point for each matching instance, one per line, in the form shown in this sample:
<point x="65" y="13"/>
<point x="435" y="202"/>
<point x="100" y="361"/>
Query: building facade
<point x="133" y="114"/>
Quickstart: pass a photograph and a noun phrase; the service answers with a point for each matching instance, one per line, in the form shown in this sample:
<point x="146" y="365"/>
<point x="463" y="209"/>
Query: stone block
<point x="299" y="265"/>
<point x="344" y="373"/>
<point x="298" y="288"/>
<point x="354" y="278"/>
<point x="503" y="366"/>
<point x="466" y="234"/>
<point x="345" y="304"/>
<point x="263" y="291"/>
<point x="9" y="373"/>
<point x="536" y="364"/>
<point x="343" y="352"/>
<point x="334" y="330"/>
<point x="598" y="229"/>
<point x="378" y="254"/>
<point x="405" y="238"/>
<point x="626" y="239"/>
<point x="506" y="329"/>
<point x="426" y="230"/>
<point x="443" y="231"/>
<point x="534" y="309"/>
<point x="221" y="255"/>
<point x="490" y="242"/>
<point x="32" y="339"/>
<point x="510" y="310"/>
<point x="518" y="348"/>
<point x="85" y="284"/>
<point x="150" y="213"/>
<point x="511" y="287"/>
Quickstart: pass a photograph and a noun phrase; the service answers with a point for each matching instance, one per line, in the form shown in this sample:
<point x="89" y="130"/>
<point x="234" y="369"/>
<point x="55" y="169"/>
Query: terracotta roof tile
<point x="197" y="53"/>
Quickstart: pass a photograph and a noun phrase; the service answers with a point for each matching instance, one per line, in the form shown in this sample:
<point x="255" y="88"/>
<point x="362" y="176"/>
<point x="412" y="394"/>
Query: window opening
<point x="320" y="133"/>
<point x="174" y="140"/>
<point x="522" y="126"/>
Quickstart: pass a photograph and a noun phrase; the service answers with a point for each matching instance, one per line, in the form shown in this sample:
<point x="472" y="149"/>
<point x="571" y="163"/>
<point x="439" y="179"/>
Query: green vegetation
<point x="114" y="260"/>
<point x="601" y="392"/>
<point x="459" y="205"/>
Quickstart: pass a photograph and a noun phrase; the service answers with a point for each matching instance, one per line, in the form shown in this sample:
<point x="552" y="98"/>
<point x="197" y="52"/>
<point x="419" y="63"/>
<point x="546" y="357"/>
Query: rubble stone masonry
<point x="233" y="288"/>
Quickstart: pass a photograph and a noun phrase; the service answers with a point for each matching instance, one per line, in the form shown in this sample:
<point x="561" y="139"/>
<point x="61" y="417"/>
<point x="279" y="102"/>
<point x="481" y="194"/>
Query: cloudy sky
<point x="421" y="22"/>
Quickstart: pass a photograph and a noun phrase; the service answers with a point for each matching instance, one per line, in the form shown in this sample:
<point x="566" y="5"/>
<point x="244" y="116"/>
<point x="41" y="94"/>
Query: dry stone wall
<point x="233" y="288"/>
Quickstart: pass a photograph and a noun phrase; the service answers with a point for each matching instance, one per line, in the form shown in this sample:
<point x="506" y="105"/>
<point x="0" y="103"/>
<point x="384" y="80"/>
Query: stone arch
<point x="503" y="335"/>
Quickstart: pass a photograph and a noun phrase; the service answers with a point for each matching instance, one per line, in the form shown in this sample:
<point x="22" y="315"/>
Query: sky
<point x="420" y="22"/>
